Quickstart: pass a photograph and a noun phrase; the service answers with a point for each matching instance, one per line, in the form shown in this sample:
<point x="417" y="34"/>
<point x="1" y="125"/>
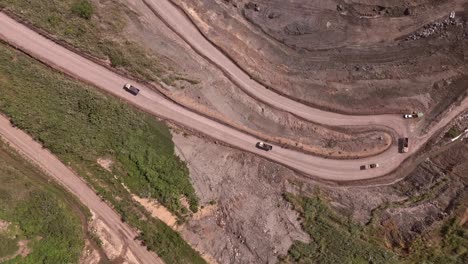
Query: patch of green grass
<point x="8" y="246"/>
<point x="80" y="125"/>
<point x="452" y="249"/>
<point x="334" y="239"/>
<point x="42" y="213"/>
<point x="55" y="235"/>
<point x="83" y="9"/>
<point x="447" y="244"/>
<point x="96" y="30"/>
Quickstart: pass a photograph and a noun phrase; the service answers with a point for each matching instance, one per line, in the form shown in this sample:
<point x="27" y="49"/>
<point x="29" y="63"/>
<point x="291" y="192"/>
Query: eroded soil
<point x="247" y="220"/>
<point x="360" y="57"/>
<point x="204" y="87"/>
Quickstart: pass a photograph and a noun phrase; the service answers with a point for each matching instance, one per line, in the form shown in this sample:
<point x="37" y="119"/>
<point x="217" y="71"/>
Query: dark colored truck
<point x="263" y="146"/>
<point x="370" y="166"/>
<point x="131" y="89"/>
<point x="364" y="167"/>
<point x="405" y="145"/>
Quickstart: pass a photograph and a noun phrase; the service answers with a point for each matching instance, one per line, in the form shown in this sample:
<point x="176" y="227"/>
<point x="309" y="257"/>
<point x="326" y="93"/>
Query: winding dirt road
<point x="178" y="22"/>
<point x="79" y="67"/>
<point x="34" y="151"/>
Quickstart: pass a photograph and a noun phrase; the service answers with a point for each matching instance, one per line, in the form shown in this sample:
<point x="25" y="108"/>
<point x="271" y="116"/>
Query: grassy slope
<point x="337" y="240"/>
<point x="98" y="30"/>
<point x="99" y="33"/>
<point x="446" y="244"/>
<point x="69" y="20"/>
<point x="8" y="244"/>
<point x="80" y="125"/>
<point x="38" y="212"/>
<point x="334" y="239"/>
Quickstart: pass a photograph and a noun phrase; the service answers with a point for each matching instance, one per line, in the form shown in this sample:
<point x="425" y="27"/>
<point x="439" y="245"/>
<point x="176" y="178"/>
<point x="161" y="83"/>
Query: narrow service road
<point x="32" y="150"/>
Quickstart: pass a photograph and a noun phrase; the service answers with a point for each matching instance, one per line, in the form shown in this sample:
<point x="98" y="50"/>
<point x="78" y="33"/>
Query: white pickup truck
<point x="413" y="115"/>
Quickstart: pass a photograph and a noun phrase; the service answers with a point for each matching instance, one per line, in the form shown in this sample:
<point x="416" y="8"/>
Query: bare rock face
<point x="246" y="219"/>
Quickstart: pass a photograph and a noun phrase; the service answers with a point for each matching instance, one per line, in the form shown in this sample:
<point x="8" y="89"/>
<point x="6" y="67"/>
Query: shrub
<point x="83" y="9"/>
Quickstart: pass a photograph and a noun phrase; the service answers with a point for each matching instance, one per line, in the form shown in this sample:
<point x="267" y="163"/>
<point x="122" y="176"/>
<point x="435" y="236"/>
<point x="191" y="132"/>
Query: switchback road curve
<point x="58" y="57"/>
<point x="180" y="24"/>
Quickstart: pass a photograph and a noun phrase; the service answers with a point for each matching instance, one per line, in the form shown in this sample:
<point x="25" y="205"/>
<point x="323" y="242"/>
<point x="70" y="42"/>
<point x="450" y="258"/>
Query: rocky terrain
<point x="348" y="57"/>
<point x="249" y="221"/>
<point x="209" y="91"/>
<point x="360" y="57"/>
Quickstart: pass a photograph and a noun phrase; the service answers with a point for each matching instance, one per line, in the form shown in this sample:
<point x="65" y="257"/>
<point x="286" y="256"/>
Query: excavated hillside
<point x="355" y="57"/>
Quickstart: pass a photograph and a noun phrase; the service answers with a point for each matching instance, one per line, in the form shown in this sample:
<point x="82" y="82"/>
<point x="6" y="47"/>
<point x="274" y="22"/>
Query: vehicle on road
<point x="264" y="146"/>
<point x="413" y="115"/>
<point x="404" y="145"/>
<point x="370" y="166"/>
<point x="364" y="167"/>
<point x="131" y="89"/>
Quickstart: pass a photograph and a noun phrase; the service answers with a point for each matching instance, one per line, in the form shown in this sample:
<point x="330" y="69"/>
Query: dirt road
<point x="74" y="184"/>
<point x="75" y="65"/>
<point x="183" y="26"/>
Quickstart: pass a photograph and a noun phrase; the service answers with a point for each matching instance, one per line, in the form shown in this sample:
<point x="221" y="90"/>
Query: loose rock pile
<point x="435" y="28"/>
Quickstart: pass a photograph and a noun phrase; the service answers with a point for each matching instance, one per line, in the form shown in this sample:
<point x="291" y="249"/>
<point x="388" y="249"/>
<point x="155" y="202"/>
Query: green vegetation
<point x="334" y="239"/>
<point x="8" y="246"/>
<point x="37" y="212"/>
<point x="451" y="248"/>
<point x="83" y="9"/>
<point x="447" y="244"/>
<point x="337" y="240"/>
<point x="453" y="132"/>
<point x="80" y="125"/>
<point x="96" y="30"/>
<point x="455" y="239"/>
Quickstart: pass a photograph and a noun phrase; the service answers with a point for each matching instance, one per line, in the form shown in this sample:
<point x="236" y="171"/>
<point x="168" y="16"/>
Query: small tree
<point x="83" y="9"/>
